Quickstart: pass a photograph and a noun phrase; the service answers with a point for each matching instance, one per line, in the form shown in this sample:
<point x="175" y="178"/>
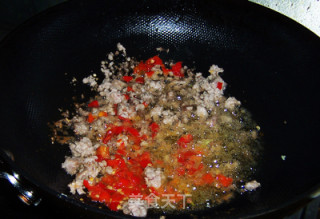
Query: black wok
<point x="271" y="64"/>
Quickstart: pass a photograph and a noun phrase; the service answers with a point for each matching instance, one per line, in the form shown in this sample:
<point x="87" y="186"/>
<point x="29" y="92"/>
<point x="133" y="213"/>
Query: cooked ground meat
<point x="157" y="129"/>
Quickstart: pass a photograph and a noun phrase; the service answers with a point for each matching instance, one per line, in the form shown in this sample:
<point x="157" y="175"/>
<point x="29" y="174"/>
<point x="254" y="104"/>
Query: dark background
<point x="15" y="12"/>
<point x="12" y="14"/>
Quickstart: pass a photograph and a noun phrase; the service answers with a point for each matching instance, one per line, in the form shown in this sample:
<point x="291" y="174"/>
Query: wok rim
<point x="307" y="196"/>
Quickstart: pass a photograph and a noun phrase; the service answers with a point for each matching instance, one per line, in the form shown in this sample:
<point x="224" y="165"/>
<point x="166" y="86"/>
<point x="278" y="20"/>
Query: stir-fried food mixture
<point x="159" y="136"/>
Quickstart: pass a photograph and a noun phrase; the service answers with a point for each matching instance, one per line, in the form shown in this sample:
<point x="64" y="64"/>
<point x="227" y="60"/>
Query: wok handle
<point x="25" y="192"/>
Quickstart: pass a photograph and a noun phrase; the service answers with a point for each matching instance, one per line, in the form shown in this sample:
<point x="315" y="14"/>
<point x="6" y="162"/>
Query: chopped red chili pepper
<point x="176" y="69"/>
<point x="133" y="131"/>
<point x="123" y="182"/>
<point x="107" y="138"/>
<point x="118" y="130"/>
<point x="140" y="69"/>
<point x="181" y="171"/>
<point x="122" y="152"/>
<point x="144" y="159"/>
<point x="116" y="163"/>
<point x="113" y="206"/>
<point x="122" y="145"/>
<point x="94" y="104"/>
<point x="103" y="152"/>
<point x="225" y="181"/>
<point x="150" y="73"/>
<point x="207" y="178"/>
<point x="144" y="137"/>
<point x="129" y="89"/>
<point x="135" y="180"/>
<point x="115" y="130"/>
<point x="86" y="184"/>
<point x="145" y="104"/>
<point x="140" y="80"/>
<point x="108" y="179"/>
<point x="154" y="129"/>
<point x="104" y="196"/>
<point x="189" y="154"/>
<point x="127" y="78"/>
<point x="165" y="70"/>
<point x="192" y="171"/>
<point x="200" y="167"/>
<point x="219" y="85"/>
<point x="123" y="119"/>
<point x="126" y="96"/>
<point x="117" y="197"/>
<point x="184" y="140"/>
<point x="154" y="61"/>
<point x="91" y="118"/>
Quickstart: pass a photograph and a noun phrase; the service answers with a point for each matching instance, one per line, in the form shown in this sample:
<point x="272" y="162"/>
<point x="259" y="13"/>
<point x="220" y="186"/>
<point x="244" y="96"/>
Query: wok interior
<point x="271" y="65"/>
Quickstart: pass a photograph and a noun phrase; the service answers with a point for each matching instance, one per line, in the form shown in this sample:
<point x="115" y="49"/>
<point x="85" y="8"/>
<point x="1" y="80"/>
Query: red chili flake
<point x="124" y="119"/>
<point x="140" y="69"/>
<point x="106" y="138"/>
<point x="200" y="167"/>
<point x="127" y="78"/>
<point x="181" y="171"/>
<point x="154" y="61"/>
<point x="144" y="137"/>
<point x="102" y="152"/>
<point x="153" y="191"/>
<point x="183" y="157"/>
<point x="91" y="118"/>
<point x="87" y="184"/>
<point x="225" y="181"/>
<point x="116" y="163"/>
<point x="192" y="171"/>
<point x="184" y="140"/>
<point x="134" y="132"/>
<point x="154" y="129"/>
<point x="115" y="130"/>
<point x="140" y="80"/>
<point x="145" y="104"/>
<point x="135" y="180"/>
<point x="117" y="197"/>
<point x="99" y="159"/>
<point x="104" y="196"/>
<point x="130" y="89"/>
<point x="207" y="178"/>
<point x="118" y="130"/>
<point x="126" y="96"/>
<point x="189" y="154"/>
<point x="165" y="70"/>
<point x="122" y="152"/>
<point x="176" y="69"/>
<point x="123" y="182"/>
<point x="122" y="145"/>
<point x="94" y="103"/>
<point x="144" y="159"/>
<point x="113" y="206"/>
<point x="219" y="85"/>
<point x="150" y="73"/>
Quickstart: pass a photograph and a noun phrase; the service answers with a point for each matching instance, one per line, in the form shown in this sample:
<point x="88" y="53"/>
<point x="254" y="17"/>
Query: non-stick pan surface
<point x="271" y="64"/>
